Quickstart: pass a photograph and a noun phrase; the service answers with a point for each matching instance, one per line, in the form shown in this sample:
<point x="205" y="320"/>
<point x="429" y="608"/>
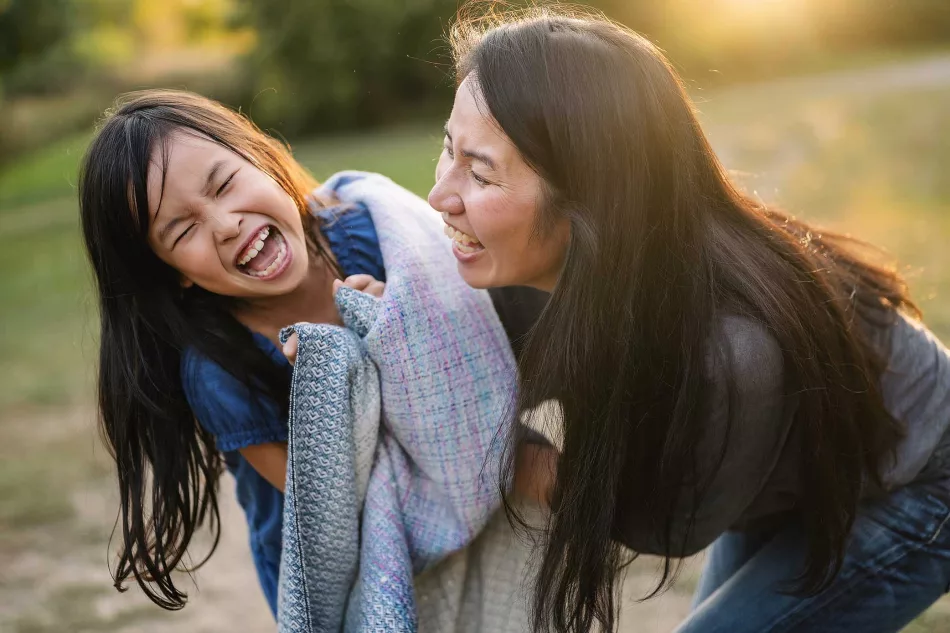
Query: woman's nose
<point x="444" y="199"/>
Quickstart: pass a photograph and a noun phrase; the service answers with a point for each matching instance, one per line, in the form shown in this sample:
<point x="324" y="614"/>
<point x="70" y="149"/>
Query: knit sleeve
<point x="226" y="408"/>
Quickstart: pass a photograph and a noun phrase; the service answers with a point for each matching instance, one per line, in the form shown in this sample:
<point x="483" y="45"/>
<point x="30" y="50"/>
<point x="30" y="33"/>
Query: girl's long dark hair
<point x="167" y="465"/>
<point x="663" y="244"/>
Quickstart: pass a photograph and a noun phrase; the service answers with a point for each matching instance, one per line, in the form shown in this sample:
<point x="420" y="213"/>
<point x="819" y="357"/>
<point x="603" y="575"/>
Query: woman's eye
<point x="448" y="151"/>
<point x="481" y="181"/>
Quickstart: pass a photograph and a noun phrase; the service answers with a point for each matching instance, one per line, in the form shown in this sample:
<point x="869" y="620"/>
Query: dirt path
<point x="56" y="577"/>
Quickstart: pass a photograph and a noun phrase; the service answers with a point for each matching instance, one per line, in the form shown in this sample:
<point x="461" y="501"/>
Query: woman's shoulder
<point x="752" y="352"/>
<point x="915" y="386"/>
<point x="908" y="344"/>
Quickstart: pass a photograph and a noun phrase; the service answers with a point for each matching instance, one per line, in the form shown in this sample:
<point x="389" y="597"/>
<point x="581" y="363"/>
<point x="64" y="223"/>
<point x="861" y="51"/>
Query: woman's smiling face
<point x="489" y="199"/>
<point x="222" y="223"/>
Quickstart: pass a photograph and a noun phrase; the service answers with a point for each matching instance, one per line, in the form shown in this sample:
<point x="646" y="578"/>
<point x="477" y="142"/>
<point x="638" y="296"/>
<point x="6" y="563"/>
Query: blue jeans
<point x="897" y="564"/>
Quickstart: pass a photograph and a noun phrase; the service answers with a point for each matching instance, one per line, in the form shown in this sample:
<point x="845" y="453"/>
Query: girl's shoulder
<point x="351" y="235"/>
<point x="226" y="407"/>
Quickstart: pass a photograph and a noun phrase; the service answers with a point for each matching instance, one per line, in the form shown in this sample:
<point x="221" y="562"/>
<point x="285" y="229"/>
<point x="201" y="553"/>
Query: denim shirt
<point x="225" y="407"/>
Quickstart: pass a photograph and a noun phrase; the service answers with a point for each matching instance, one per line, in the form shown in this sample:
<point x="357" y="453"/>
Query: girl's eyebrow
<point x="205" y="192"/>
<point x="168" y="228"/>
<point x="212" y="174"/>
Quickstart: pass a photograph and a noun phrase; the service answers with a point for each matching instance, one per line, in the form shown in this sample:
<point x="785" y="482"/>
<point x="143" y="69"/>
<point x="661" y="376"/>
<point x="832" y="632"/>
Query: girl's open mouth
<point x="266" y="256"/>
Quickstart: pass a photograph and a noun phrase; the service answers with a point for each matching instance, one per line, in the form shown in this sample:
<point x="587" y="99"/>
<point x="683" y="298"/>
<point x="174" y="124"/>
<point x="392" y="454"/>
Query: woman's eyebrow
<point x="472" y="154"/>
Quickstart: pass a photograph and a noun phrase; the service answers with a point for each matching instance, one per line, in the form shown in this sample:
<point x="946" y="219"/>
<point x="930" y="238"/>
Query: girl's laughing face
<point x="222" y="223"/>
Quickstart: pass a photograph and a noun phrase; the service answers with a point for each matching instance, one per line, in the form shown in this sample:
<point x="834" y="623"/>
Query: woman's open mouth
<point x="266" y="256"/>
<point x="464" y="242"/>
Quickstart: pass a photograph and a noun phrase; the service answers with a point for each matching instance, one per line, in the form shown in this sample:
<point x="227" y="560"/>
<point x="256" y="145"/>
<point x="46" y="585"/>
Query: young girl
<point x="725" y="375"/>
<point x="206" y="239"/>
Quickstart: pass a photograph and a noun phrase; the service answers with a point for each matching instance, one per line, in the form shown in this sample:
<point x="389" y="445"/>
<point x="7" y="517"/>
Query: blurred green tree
<point x="35" y="38"/>
<point x="326" y="64"/>
<point x="301" y="66"/>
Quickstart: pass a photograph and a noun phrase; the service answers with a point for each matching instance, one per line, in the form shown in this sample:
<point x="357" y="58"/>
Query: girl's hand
<point x="363" y="283"/>
<point x="290" y="348"/>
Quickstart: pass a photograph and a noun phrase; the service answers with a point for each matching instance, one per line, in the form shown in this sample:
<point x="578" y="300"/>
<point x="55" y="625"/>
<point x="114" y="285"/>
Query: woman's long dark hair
<point x="663" y="244"/>
<point x="168" y="466"/>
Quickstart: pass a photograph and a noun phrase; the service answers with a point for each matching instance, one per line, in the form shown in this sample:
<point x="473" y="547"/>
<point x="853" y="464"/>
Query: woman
<point x="725" y="375"/>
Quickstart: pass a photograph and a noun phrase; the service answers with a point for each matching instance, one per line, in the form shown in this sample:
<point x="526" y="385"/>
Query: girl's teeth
<point x="281" y="254"/>
<point x="257" y="247"/>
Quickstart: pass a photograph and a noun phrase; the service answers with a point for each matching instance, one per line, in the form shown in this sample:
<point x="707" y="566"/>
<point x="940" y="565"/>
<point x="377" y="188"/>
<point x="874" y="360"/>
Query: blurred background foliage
<point x="305" y="66"/>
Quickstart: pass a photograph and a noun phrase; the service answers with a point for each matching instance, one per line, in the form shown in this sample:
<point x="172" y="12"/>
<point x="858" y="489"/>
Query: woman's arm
<point x="269" y="460"/>
<point x="535" y="470"/>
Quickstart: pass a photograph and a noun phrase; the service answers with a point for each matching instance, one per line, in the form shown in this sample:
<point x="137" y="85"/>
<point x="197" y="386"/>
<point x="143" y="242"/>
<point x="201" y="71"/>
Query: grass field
<point x="870" y="162"/>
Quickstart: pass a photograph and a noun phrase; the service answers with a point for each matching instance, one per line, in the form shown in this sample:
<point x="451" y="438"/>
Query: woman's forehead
<point x="472" y="126"/>
<point x="469" y="114"/>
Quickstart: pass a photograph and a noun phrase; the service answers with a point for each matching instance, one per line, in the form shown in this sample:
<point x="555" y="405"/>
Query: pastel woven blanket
<point x="391" y="458"/>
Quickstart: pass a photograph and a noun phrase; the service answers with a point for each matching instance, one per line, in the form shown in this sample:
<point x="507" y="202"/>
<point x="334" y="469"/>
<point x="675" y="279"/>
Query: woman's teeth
<point x="463" y="241"/>
<point x="255" y="247"/>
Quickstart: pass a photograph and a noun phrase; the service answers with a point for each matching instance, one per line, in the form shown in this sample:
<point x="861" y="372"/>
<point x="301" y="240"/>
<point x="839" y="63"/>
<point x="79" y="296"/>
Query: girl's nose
<point x="227" y="225"/>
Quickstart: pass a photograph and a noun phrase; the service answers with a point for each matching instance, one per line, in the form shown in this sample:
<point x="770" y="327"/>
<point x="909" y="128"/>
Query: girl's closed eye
<point x="225" y="184"/>
<point x="184" y="233"/>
